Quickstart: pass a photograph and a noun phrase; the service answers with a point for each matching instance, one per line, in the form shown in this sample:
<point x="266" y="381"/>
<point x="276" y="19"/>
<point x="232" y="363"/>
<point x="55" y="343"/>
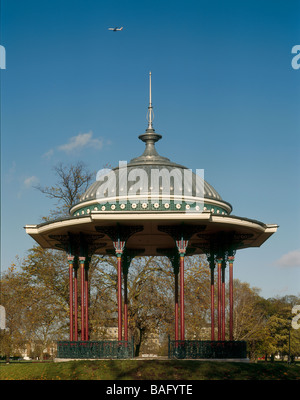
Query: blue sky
<point x="225" y="97"/>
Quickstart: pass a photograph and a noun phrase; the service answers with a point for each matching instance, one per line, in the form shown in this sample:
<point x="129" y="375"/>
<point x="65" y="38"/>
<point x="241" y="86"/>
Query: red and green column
<point x="83" y="264"/>
<point x="71" y="267"/>
<point x="219" y="266"/>
<point x="230" y="262"/>
<point x="223" y="298"/>
<point x="76" y="302"/>
<point x="176" y="306"/>
<point x="212" y="296"/>
<point x="119" y="246"/>
<point x="73" y="300"/>
<point x="181" y="247"/>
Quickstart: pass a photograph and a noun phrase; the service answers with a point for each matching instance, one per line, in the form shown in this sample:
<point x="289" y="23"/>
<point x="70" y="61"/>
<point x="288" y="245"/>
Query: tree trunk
<point x="138" y="345"/>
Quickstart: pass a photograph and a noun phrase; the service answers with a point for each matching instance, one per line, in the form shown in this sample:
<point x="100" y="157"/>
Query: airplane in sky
<point x="115" y="29"/>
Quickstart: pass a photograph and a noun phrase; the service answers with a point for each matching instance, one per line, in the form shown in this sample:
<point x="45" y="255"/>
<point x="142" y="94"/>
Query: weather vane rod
<point x="150" y="114"/>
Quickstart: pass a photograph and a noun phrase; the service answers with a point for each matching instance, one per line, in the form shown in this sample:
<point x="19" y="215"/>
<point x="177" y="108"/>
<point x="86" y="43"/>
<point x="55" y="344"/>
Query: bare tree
<point x="72" y="182"/>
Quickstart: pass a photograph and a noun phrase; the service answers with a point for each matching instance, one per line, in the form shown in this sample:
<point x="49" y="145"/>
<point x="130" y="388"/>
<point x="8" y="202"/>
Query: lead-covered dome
<point x="150" y="183"/>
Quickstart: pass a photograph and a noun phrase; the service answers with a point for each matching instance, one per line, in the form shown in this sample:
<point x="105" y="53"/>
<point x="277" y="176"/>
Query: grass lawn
<point x="148" y="370"/>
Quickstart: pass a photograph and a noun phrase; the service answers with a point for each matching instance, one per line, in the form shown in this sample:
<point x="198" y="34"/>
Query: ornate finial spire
<point x="150" y="114"/>
<point x="149" y="138"/>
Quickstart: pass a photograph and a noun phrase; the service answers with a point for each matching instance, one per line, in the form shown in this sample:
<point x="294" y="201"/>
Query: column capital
<point x="82" y="260"/>
<point x="182" y="246"/>
<point x="119" y="246"/>
<point x="230" y="259"/>
<point x="71" y="259"/>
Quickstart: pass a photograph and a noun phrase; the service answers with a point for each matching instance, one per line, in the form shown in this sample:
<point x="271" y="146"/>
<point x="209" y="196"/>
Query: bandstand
<point x="151" y="207"/>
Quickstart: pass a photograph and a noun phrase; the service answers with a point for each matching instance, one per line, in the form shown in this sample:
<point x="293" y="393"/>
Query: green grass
<point x="148" y="370"/>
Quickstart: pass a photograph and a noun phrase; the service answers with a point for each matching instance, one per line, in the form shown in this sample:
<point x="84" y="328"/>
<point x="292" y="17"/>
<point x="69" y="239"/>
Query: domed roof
<point x="150" y="182"/>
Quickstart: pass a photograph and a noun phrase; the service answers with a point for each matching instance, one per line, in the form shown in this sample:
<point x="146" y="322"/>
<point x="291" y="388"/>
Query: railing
<point x="206" y="349"/>
<point x="110" y="349"/>
<point x="177" y="349"/>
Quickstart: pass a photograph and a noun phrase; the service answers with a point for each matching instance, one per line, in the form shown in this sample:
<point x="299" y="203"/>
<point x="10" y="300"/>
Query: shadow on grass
<point x="151" y="370"/>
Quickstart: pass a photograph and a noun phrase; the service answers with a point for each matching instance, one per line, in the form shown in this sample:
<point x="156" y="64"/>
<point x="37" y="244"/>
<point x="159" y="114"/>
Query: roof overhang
<point x="252" y="233"/>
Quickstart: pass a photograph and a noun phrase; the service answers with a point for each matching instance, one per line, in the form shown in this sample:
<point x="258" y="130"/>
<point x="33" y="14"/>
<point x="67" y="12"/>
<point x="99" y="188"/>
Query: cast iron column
<point x="219" y="261"/>
<point x="176" y="306"/>
<point x="223" y="298"/>
<point x="181" y="246"/>
<point x="119" y="248"/>
<point x="231" y="259"/>
<point x="212" y="295"/>
<point x="76" y="301"/>
<point x="82" y="262"/>
<point x="182" y="330"/>
<point x="125" y="309"/>
<point x="71" y="261"/>
<point x="86" y="306"/>
<point x="119" y="297"/>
